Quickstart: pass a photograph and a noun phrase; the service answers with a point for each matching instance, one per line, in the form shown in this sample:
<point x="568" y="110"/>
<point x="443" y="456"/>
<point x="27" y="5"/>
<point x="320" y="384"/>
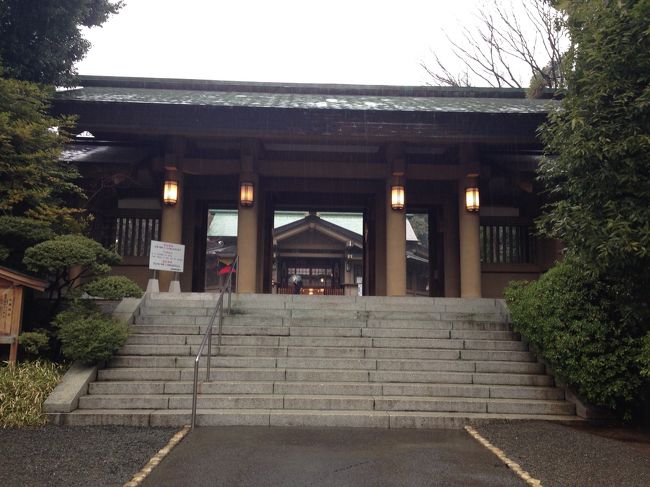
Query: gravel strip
<point x="76" y="456"/>
<point x="560" y="456"/>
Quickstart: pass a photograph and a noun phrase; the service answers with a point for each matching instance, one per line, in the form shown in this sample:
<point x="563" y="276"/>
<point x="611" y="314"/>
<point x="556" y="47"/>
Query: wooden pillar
<point x="16" y="319"/>
<point x="12" y="286"/>
<point x="469" y="227"/>
<point x="171" y="221"/>
<point x="395" y="225"/>
<point x="395" y="249"/>
<point x="247" y="223"/>
<point x="247" y="244"/>
<point x="171" y="228"/>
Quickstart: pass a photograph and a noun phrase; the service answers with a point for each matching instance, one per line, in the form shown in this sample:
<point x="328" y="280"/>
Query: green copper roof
<point x="224" y="222"/>
<point x="303" y="96"/>
<point x="350" y="221"/>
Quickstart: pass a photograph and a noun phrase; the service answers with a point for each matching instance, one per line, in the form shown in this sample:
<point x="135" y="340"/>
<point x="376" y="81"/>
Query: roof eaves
<point x="23" y="279"/>
<point x="302" y="88"/>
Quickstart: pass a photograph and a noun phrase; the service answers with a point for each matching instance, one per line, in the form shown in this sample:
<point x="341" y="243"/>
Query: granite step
<point x="327" y="388"/>
<point x="324" y="361"/>
<point x="326" y="374"/>
<point x="323" y="358"/>
<point x="295" y="418"/>
<point x="328" y="403"/>
<point x="365" y="302"/>
<point x="170" y="344"/>
<point x="185" y="330"/>
<point x="175" y="374"/>
<point x="150" y="323"/>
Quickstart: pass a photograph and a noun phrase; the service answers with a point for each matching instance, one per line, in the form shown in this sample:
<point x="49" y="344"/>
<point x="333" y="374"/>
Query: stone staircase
<point x="324" y="361"/>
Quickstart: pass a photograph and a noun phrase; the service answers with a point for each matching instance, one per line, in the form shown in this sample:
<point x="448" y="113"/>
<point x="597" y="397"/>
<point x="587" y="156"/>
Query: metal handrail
<point x="207" y="337"/>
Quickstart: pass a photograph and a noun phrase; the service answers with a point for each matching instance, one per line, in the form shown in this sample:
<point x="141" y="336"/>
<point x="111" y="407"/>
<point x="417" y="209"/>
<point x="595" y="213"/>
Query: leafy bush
<point x="23" y="388"/>
<point x="88" y="335"/>
<point x="113" y="287"/>
<point x="645" y="357"/>
<point x="35" y="342"/>
<point x="574" y="319"/>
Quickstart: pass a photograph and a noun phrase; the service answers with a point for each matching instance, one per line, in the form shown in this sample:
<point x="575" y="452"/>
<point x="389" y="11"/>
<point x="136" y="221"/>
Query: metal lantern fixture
<point x="246" y="194"/>
<point x="170" y="191"/>
<point x="397" y="197"/>
<point x="472" y="199"/>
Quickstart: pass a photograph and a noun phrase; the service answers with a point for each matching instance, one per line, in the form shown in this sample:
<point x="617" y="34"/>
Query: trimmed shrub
<point x="35" y="342"/>
<point x="113" y="287"/>
<point x="23" y="389"/>
<point x="56" y="257"/>
<point x="574" y="319"/>
<point x="88" y="335"/>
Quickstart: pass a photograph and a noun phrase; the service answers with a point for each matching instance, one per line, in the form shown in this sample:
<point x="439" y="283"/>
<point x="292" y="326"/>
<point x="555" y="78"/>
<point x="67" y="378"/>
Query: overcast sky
<point x="333" y="41"/>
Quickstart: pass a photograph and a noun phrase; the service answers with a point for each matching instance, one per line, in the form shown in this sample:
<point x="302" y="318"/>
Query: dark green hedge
<point x="588" y="329"/>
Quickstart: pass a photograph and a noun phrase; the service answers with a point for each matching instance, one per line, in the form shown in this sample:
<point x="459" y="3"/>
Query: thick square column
<point x="395" y="248"/>
<point x="247" y="221"/>
<point x="469" y="228"/>
<point x="171" y="226"/>
<point x="247" y="239"/>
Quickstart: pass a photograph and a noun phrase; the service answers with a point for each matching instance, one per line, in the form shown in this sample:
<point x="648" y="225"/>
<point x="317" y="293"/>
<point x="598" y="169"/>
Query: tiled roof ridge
<point x="303" y="88"/>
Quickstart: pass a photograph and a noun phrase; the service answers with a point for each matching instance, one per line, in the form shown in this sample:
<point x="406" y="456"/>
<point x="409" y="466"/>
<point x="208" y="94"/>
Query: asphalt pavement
<point x="261" y="456"/>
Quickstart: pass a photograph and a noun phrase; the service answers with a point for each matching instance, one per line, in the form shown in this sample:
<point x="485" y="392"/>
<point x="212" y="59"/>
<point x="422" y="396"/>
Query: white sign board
<point x="165" y="256"/>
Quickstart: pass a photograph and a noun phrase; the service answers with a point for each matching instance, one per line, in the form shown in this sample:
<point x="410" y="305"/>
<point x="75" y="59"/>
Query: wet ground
<point x="251" y="456"/>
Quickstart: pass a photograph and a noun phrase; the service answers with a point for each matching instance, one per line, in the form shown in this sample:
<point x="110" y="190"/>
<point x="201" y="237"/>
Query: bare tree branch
<point x="442" y="76"/>
<point x="504" y="44"/>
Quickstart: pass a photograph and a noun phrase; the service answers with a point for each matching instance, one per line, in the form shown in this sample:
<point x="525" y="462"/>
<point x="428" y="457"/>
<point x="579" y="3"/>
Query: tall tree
<point x="37" y="189"/>
<point x="597" y="173"/>
<point x="503" y="45"/>
<point x="40" y="40"/>
<point x="34" y="182"/>
<point x="598" y="163"/>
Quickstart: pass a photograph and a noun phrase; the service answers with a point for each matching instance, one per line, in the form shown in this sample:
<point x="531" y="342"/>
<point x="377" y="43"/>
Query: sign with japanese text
<point x="165" y="256"/>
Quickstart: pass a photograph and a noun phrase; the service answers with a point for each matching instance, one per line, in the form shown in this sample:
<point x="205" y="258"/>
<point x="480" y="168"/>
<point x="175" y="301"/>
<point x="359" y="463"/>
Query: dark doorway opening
<point x="216" y="246"/>
<point x="424" y="253"/>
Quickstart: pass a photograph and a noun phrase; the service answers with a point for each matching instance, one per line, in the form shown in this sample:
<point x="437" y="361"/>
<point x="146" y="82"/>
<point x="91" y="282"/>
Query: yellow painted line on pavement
<point x="514" y="466"/>
<point x="139" y="477"/>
